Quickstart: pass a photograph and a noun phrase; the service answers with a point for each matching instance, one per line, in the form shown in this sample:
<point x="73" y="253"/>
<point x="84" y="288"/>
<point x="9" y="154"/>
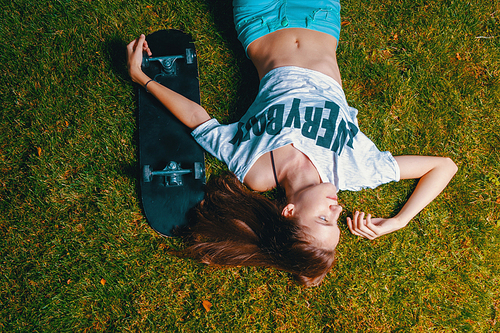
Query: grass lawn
<point x="77" y="254"/>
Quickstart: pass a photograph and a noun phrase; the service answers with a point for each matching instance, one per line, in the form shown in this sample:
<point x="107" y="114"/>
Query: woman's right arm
<point x="188" y="112"/>
<point x="434" y="173"/>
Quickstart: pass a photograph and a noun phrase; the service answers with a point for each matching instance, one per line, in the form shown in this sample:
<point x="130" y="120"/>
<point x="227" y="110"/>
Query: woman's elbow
<point x="450" y="166"/>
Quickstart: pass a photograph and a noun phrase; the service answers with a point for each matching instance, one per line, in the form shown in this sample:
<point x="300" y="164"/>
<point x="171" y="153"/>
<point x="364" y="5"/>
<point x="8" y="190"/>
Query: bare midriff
<point x="290" y="47"/>
<point x="295" y="47"/>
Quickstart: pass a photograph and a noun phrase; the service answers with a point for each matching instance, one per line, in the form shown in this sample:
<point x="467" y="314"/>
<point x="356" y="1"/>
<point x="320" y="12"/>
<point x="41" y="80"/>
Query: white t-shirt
<point x="309" y="110"/>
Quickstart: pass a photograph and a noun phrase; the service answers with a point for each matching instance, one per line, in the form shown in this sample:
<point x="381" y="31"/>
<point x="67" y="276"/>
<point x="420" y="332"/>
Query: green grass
<point x="78" y="256"/>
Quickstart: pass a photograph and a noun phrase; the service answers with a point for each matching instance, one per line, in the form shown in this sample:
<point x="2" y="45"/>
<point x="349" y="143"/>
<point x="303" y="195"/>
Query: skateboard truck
<point x="172" y="173"/>
<point x="168" y="62"/>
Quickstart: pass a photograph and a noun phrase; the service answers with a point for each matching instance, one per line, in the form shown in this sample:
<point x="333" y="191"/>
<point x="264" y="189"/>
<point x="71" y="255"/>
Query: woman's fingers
<point x="135" y="53"/>
<point x="364" y="230"/>
<point x="137" y="46"/>
<point x="131" y="47"/>
<point x="360" y="226"/>
<point x="145" y="48"/>
<point x="369" y="227"/>
<point x="353" y="230"/>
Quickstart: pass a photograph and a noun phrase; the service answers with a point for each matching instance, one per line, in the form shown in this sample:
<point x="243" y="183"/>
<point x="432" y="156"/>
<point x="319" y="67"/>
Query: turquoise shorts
<point x="256" y="18"/>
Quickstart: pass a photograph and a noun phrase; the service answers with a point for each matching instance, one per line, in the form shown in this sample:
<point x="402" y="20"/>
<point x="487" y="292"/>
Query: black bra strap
<point x="274" y="170"/>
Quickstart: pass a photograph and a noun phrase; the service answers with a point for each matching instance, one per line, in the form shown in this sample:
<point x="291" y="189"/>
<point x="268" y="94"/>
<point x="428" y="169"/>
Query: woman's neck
<point x="295" y="171"/>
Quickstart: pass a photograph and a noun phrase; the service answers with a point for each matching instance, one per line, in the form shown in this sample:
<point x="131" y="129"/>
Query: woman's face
<point x="316" y="208"/>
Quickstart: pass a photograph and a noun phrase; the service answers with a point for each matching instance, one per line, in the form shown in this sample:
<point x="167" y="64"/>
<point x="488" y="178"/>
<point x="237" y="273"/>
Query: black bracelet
<point x="146" y="85"/>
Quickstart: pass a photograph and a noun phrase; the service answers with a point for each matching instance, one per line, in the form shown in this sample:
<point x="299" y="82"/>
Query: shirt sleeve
<point x="214" y="138"/>
<point x="366" y="166"/>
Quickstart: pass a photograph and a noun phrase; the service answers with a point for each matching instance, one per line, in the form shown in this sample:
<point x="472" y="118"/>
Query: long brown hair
<point x="234" y="226"/>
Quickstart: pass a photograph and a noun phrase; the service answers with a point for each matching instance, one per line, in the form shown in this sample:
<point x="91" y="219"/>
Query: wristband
<point x="146" y="85"/>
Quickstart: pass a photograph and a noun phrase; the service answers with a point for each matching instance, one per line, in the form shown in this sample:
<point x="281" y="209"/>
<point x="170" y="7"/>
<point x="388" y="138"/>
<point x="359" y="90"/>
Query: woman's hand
<point x="188" y="112"/>
<point x="372" y="228"/>
<point x="434" y="174"/>
<point x="135" y="53"/>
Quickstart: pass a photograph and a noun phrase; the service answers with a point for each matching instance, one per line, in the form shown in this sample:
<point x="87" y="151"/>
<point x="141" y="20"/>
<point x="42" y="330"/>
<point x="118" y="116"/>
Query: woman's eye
<point x="323" y="218"/>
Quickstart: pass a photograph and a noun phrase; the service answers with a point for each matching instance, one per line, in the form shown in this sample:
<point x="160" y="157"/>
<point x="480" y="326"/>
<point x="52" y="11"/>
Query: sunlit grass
<point x="78" y="255"/>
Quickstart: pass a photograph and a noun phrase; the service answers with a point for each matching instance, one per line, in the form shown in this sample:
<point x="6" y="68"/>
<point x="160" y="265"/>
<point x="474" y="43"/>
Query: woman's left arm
<point x="434" y="173"/>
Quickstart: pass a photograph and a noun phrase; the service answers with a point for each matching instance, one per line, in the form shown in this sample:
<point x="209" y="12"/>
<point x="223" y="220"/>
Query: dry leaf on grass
<point x="207" y="305"/>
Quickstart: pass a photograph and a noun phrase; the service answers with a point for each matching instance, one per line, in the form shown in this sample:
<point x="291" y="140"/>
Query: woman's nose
<point x="336" y="208"/>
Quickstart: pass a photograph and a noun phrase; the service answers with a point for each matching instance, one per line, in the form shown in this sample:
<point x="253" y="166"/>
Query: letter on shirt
<point x="329" y="125"/>
<point x="311" y="125"/>
<point x="294" y="115"/>
<point x="275" y="119"/>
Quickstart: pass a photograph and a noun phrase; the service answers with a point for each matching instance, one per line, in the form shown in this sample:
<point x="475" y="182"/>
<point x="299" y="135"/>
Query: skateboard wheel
<point x="198" y="170"/>
<point x="190" y="56"/>
<point x="147" y="173"/>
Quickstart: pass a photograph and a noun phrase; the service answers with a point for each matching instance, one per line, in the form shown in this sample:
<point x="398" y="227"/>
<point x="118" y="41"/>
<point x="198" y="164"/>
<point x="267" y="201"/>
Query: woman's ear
<point x="288" y="211"/>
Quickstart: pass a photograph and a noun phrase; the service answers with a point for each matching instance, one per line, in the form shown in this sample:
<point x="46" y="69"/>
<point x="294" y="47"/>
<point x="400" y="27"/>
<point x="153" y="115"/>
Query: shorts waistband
<point x="256" y="18"/>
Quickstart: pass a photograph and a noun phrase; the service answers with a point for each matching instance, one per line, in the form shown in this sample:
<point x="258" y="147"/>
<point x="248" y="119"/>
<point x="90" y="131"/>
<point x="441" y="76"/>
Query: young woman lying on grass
<point x="299" y="135"/>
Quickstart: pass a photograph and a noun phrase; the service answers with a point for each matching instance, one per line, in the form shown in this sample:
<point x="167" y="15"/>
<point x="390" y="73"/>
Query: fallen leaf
<point x="386" y="54"/>
<point x="103" y="282"/>
<point x="207" y="305"/>
<point x="458" y="56"/>
<point x="344" y="23"/>
<point x="39" y="151"/>
<point x="498" y="200"/>
<point x="394" y="116"/>
<point x="69" y="281"/>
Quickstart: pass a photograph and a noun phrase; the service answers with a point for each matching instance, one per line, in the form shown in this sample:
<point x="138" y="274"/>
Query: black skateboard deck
<point x="172" y="163"/>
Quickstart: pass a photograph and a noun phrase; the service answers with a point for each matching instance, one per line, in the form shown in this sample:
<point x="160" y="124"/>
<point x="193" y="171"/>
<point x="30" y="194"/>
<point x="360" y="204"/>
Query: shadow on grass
<point x="222" y="14"/>
<point x="115" y="49"/>
<point x="116" y="53"/>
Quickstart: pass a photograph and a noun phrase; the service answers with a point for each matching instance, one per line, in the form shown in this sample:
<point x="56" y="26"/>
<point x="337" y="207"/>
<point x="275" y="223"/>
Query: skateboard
<point x="172" y="163"/>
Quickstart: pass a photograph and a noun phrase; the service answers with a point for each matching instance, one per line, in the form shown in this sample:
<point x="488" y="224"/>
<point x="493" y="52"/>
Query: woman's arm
<point x="188" y="112"/>
<point x="434" y="173"/>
